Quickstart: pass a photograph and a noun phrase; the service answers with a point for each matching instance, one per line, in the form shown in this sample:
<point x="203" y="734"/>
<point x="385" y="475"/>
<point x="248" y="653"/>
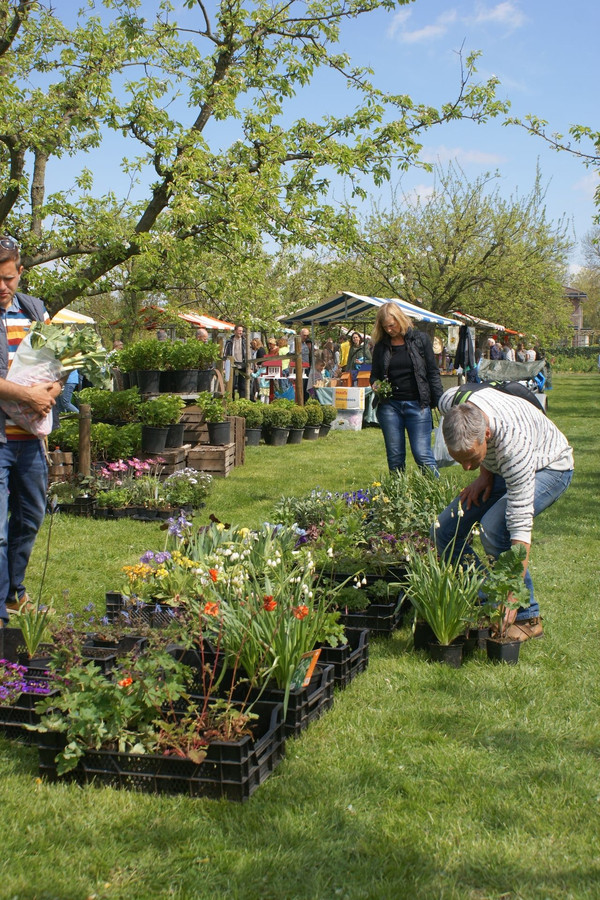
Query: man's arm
<point x="477" y="490"/>
<point x="40" y="397"/>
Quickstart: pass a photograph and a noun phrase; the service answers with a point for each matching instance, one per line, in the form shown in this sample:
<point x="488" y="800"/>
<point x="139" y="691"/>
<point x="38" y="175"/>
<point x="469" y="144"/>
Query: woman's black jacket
<point x="425" y="367"/>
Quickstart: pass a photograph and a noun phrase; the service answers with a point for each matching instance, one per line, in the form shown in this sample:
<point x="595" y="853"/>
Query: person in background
<point x="330" y="356"/>
<point x="23" y="467"/>
<point x="507" y="351"/>
<point x="161" y="335"/>
<point x="496" y="350"/>
<point x="404" y="357"/>
<point x="344" y="351"/>
<point x="521" y="353"/>
<point x="118" y="344"/>
<point x="63" y="402"/>
<point x="236" y="347"/>
<point x="272" y="348"/>
<point x="525" y="464"/>
<point x="358" y="354"/>
<point x="202" y="335"/>
<point x="530" y="355"/>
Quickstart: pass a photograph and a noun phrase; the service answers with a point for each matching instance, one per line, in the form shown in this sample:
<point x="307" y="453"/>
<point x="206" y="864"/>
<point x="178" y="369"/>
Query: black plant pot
<point x="154" y="439"/>
<point x="295" y="436"/>
<point x="175" y="435"/>
<point x="103" y="512"/>
<point x="311" y="432"/>
<point x="503" y="651"/>
<point x="84" y="506"/>
<point x="185" y="381"/>
<point x="219" y="433"/>
<point x="278" y="437"/>
<point x="205" y="380"/>
<point x="148" y="381"/>
<point x="423" y="635"/>
<point x="324" y="430"/>
<point x="479" y="635"/>
<point x="166" y="382"/>
<point x="253" y="436"/>
<point x="449" y="654"/>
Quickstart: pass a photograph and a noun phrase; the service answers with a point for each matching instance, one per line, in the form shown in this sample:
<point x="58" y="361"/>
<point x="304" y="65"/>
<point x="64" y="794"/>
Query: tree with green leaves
<point x="200" y="104"/>
<point x="467" y="248"/>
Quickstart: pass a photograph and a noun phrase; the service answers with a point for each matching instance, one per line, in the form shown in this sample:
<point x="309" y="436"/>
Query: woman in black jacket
<point x="404" y="357"/>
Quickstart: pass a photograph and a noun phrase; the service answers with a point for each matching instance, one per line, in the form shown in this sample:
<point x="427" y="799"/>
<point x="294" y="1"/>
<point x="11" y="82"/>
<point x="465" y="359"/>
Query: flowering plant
<point x="14" y="682"/>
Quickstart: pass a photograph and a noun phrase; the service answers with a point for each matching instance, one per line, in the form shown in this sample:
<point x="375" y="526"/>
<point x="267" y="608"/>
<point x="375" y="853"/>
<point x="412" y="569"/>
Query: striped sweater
<point x="523" y="440"/>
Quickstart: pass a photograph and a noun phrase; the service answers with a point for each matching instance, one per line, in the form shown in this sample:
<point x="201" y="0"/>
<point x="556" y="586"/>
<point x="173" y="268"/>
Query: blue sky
<point x="544" y="52"/>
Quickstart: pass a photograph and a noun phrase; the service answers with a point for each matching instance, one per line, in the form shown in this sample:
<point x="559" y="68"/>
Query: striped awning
<point x="349" y="307"/>
<point x="208" y="322"/>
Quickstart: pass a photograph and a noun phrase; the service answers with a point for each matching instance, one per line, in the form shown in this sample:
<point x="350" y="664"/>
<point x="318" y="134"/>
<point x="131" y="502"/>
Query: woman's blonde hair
<point x="393" y="311"/>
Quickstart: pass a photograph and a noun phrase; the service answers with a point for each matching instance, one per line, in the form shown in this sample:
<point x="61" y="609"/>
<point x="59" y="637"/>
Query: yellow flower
<point x="220" y="526"/>
<point x="161" y="572"/>
<point x="376" y="484"/>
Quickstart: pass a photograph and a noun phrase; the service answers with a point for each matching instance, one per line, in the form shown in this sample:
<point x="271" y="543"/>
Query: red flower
<point x="211" y="609"/>
<point x="300" y="612"/>
<point x="214" y="574"/>
<point x="268" y="603"/>
<point x="125" y="682"/>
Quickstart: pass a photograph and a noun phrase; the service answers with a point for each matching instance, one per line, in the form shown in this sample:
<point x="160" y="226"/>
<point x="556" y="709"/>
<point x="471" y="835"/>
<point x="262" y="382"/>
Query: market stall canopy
<point x="68" y="316"/>
<point x="347" y="307"/>
<point x="207" y="322"/>
<point x="466" y="319"/>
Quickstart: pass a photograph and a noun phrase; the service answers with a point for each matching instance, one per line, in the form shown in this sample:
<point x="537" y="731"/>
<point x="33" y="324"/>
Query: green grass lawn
<point x="481" y="783"/>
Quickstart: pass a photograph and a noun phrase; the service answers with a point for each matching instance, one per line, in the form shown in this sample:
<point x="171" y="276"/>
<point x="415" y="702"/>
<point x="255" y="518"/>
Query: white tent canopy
<point x="479" y="323"/>
<point x="347" y="307"/>
<point x="68" y="316"/>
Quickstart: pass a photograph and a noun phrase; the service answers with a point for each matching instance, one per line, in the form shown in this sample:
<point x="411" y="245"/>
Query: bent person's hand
<point x="478" y="490"/>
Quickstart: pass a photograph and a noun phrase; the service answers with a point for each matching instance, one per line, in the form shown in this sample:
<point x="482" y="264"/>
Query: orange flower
<point x="211" y="609"/>
<point x="268" y="603"/>
<point x="214" y="574"/>
<point x="300" y="612"/>
<point x="125" y="682"/>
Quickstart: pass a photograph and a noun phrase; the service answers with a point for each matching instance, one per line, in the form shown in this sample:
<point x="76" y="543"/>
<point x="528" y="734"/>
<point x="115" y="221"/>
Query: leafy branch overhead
<point x="200" y="110"/>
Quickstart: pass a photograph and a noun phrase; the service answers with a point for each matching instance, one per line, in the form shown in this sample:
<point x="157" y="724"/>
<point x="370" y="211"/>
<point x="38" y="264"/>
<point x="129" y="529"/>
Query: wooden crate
<point x="171" y="456"/>
<point x="238" y="436"/>
<point x="195" y="434"/>
<point x="60" y="466"/>
<point x="218" y="461"/>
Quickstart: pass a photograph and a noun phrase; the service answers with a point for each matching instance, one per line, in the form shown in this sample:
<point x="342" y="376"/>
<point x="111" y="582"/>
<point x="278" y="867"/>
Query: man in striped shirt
<point x="525" y="463"/>
<point x="23" y="468"/>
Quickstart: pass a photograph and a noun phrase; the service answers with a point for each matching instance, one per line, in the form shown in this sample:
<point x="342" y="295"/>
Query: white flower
<point x="460" y="512"/>
<point x="330" y="553"/>
<point x="364" y="581"/>
<point x="436" y="523"/>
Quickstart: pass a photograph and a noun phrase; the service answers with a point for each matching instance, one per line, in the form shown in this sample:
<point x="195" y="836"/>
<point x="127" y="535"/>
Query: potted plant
<point x="181" y="358"/>
<point x="156" y="415"/>
<point x="445" y="594"/>
<point x="505" y="590"/>
<point x="298" y="419"/>
<point x="276" y="423"/>
<point x="143" y="360"/>
<point x="329" y="417"/>
<point x="213" y="408"/>
<point x="208" y="352"/>
<point x="253" y="414"/>
<point x="314" y="420"/>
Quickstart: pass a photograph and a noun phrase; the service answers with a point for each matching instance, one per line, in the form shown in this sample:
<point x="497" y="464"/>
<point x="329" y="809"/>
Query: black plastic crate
<point x="15" y="717"/>
<point x="157" y="615"/>
<point x="230" y="770"/>
<point x="379" y="618"/>
<point x="121" y="646"/>
<point x="348" y="660"/>
<point x="305" y="704"/>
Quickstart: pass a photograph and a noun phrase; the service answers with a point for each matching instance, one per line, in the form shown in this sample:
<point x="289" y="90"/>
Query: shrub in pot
<point x="252" y="413"/>
<point x="213" y="408"/>
<point x="329" y="416"/>
<point x="298" y="417"/>
<point x="143" y="356"/>
<point x="314" y="413"/>
<point x="156" y="415"/>
<point x="276" y="422"/>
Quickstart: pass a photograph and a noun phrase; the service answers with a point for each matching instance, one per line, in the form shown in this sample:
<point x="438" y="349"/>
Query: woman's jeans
<point x="495" y="537"/>
<point x="398" y="416"/>
<point x="23" y="484"/>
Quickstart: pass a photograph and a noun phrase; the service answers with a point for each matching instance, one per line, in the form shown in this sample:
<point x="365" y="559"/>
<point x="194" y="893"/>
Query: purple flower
<point x="148" y="556"/>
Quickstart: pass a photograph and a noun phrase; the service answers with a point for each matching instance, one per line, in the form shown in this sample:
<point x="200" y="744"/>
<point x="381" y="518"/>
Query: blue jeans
<point x="23" y="483"/>
<point x="398" y="416"/>
<point x="495" y="538"/>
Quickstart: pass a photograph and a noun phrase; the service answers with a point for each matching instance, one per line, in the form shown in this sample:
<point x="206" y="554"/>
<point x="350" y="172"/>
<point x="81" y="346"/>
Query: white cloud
<point x="420" y="35"/>
<point x="420" y="192"/>
<point x="464" y="157"/>
<point x="588" y="185"/>
<point x="506" y="13"/>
